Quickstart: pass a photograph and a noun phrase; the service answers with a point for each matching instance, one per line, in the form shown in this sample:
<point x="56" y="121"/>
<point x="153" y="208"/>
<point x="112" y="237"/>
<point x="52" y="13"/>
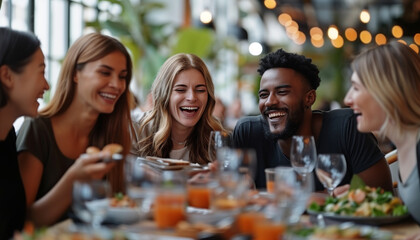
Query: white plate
<point x="376" y="221"/>
<point x="122" y="215"/>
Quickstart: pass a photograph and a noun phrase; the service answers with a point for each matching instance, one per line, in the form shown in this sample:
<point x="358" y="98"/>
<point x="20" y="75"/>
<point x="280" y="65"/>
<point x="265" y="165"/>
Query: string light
<point x="380" y="39"/>
<point x="364" y="16"/>
<point x="417" y="38"/>
<point x="317" y="43"/>
<point x="350" y="34"/>
<point x="338" y="42"/>
<point x="332" y="32"/>
<point x="397" y="31"/>
<point x="270" y="4"/>
<point x="365" y="37"/>
<point x="316" y="33"/>
<point x="206" y="16"/>
<point x="284" y="18"/>
<point x="414" y="47"/>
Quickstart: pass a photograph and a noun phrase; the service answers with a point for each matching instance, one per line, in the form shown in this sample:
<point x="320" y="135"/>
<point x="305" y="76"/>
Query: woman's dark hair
<point x="16" y="50"/>
<point x="299" y="63"/>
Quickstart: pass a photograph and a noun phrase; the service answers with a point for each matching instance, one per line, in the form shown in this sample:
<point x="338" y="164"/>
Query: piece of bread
<point x="92" y="150"/>
<point x="113" y="148"/>
<point x="169" y="161"/>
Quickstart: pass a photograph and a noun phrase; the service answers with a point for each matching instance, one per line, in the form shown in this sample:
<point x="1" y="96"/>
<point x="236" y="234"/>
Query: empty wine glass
<point x="330" y="170"/>
<point x="303" y="154"/>
<point x="91" y="201"/>
<point x="140" y="183"/>
<point x="292" y="192"/>
<point x="218" y="139"/>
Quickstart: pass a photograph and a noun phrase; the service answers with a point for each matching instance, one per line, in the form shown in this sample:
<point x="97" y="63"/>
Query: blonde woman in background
<point x="385" y="94"/>
<point x="89" y="108"/>
<point x="180" y="123"/>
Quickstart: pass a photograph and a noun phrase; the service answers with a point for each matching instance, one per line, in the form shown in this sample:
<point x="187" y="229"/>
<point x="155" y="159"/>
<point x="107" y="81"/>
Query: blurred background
<point x="230" y="35"/>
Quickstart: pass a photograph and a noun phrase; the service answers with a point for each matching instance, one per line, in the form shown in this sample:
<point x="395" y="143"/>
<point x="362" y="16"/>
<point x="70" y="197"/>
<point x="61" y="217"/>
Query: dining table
<point x="147" y="229"/>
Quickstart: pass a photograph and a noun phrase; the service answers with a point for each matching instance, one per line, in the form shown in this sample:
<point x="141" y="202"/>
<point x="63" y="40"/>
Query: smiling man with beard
<point x="287" y="92"/>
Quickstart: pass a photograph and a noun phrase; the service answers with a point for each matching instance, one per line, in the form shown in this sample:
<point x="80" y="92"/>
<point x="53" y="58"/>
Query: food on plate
<point x="122" y="200"/>
<point x="362" y="202"/>
<point x="168" y="161"/>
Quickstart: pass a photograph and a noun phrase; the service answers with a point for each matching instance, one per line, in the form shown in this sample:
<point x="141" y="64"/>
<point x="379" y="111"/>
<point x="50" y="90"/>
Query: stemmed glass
<point x="292" y="192"/>
<point x="141" y="183"/>
<point x="218" y="139"/>
<point x="91" y="201"/>
<point x="303" y="154"/>
<point x="330" y="170"/>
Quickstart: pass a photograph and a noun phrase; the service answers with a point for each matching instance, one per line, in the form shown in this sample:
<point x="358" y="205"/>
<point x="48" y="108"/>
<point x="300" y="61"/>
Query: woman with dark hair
<point x="91" y="107"/>
<point x="22" y="82"/>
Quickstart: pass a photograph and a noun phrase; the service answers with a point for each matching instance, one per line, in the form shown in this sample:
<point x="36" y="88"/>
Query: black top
<point x="338" y="134"/>
<point x="12" y="193"/>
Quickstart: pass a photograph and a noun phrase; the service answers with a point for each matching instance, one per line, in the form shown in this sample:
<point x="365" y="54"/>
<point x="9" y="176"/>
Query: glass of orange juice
<point x="171" y="200"/>
<point x="270" y="177"/>
<point x="245" y="221"/>
<point x="268" y="230"/>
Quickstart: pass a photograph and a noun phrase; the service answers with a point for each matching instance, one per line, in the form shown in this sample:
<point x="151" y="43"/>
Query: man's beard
<point x="293" y="123"/>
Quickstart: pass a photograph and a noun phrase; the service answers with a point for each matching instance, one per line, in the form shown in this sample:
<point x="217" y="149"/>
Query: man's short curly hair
<point x="299" y="63"/>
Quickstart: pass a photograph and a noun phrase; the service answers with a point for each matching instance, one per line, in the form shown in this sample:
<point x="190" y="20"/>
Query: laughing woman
<point x="89" y="108"/>
<point x="385" y="93"/>
<point x="180" y="123"/>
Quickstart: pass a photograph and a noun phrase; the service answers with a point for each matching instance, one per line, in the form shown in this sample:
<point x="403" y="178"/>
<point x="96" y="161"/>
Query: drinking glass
<point x="171" y="199"/>
<point x="303" y="154"/>
<point x="235" y="175"/>
<point x="292" y="193"/>
<point x="140" y="184"/>
<point x="330" y="170"/>
<point x="91" y="201"/>
<point x="218" y="139"/>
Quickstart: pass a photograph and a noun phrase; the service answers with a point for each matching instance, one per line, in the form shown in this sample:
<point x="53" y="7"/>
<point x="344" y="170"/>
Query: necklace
<point x="179" y="143"/>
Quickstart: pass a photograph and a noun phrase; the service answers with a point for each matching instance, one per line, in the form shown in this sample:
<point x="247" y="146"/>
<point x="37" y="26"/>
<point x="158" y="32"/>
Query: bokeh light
<point x="365" y="37"/>
<point x="338" y="42"/>
<point x="284" y="18"/>
<point x="351" y="34"/>
<point x="364" y="16"/>
<point x="317" y="43"/>
<point x="417" y="38"/>
<point x="270" y="4"/>
<point x="397" y="31"/>
<point x="316" y="33"/>
<point x="206" y="16"/>
<point x="414" y="47"/>
<point x="332" y="32"/>
<point x="380" y="39"/>
<point x="255" y="48"/>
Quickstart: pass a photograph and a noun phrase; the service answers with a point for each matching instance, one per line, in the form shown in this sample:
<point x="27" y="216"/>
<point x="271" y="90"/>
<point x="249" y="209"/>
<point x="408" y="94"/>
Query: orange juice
<point x="266" y="230"/>
<point x="198" y="197"/>
<point x="246" y="221"/>
<point x="169" y="209"/>
<point x="270" y="186"/>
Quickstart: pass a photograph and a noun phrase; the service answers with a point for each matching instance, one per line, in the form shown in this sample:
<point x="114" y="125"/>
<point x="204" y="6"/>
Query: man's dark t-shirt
<point x="338" y="134"/>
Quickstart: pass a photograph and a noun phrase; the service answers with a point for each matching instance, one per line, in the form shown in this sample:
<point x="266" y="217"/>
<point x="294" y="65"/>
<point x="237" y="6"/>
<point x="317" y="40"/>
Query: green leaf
<point x="356" y="182"/>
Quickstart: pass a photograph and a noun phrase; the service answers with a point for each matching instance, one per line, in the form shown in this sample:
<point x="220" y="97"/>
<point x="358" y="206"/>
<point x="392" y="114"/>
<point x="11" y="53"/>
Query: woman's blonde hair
<point x="158" y="122"/>
<point x="391" y="73"/>
<point x="109" y="128"/>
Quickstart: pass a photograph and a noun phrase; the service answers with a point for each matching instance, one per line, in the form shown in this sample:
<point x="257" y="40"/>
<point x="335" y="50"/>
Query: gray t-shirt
<point x="36" y="136"/>
<point x="409" y="191"/>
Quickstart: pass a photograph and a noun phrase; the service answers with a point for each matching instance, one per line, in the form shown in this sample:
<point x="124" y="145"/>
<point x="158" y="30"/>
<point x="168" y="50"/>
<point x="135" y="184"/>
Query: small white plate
<point x="122" y="215"/>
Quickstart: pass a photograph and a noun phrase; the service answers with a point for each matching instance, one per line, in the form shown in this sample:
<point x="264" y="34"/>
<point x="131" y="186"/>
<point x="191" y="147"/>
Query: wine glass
<point x="140" y="183"/>
<point x="330" y="170"/>
<point x="292" y="192"/>
<point x="91" y="201"/>
<point x="218" y="139"/>
<point x="303" y="154"/>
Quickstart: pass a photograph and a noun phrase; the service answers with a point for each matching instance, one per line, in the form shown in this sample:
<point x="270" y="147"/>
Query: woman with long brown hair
<point x="181" y="120"/>
<point x="89" y="108"/>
